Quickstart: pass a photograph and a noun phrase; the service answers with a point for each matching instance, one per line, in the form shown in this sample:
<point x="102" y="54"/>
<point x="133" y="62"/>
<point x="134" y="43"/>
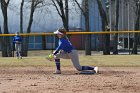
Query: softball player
<point x="17" y="42"/>
<point x="67" y="51"/>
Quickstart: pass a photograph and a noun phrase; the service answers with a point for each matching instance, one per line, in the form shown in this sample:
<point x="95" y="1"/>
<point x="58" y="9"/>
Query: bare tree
<point x="85" y="12"/>
<point x="21" y="28"/>
<point x="21" y="16"/>
<point x="137" y="27"/>
<point x="6" y="46"/>
<point x="0" y="37"/>
<point x="115" y="50"/>
<point x="63" y="11"/>
<point x="0" y="33"/>
<point x="67" y="13"/>
<point x="34" y="5"/>
<point x="105" y="27"/>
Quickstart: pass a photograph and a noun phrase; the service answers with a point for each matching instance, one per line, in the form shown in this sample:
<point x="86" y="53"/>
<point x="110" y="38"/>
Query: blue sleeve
<point x="58" y="48"/>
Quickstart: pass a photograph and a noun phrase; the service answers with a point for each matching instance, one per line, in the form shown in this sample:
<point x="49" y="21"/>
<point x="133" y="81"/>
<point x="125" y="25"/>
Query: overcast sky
<point x="44" y="19"/>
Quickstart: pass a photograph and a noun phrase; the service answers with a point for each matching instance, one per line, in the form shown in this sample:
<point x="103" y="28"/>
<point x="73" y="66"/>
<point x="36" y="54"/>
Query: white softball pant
<point x="18" y="49"/>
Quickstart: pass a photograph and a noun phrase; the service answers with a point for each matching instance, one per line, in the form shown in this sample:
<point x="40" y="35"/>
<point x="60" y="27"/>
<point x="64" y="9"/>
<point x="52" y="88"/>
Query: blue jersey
<point x="65" y="45"/>
<point x="17" y="39"/>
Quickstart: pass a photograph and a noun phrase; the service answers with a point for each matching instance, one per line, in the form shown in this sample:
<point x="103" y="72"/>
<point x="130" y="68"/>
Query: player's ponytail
<point x="63" y="30"/>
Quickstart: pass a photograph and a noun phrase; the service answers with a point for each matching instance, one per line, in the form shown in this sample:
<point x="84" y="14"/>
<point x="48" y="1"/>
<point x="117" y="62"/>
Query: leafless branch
<point x="56" y="8"/>
<point x="80" y="7"/>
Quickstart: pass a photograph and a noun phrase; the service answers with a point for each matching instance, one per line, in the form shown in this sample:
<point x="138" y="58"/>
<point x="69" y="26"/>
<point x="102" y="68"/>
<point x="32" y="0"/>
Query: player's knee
<point x="56" y="57"/>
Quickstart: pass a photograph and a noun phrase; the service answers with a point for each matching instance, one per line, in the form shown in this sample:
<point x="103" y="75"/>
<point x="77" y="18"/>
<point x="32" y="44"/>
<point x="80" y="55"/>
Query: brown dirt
<point x="42" y="80"/>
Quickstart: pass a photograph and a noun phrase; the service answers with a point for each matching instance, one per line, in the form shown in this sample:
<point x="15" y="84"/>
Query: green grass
<point x="112" y="60"/>
<point x="96" y="60"/>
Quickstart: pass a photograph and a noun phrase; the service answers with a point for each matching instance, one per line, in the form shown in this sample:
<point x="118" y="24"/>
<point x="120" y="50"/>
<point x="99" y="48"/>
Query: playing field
<point x="34" y="74"/>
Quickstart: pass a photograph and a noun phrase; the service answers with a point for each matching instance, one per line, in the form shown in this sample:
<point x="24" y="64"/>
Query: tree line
<point x="62" y="7"/>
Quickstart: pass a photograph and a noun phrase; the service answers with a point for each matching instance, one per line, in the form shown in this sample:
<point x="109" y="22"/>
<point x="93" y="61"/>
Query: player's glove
<point x="50" y="57"/>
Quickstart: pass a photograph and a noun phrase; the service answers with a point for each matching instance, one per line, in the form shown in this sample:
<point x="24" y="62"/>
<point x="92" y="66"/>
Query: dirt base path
<point x="41" y="80"/>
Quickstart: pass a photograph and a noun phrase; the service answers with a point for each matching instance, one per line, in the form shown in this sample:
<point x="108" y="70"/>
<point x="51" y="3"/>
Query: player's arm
<point x="58" y="49"/>
<point x="50" y="57"/>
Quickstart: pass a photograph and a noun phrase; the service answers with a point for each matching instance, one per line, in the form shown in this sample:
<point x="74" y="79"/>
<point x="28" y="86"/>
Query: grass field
<point x="34" y="74"/>
<point x="94" y="60"/>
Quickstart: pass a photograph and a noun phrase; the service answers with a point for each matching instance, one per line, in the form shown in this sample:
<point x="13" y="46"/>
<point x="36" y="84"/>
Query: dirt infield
<point x="41" y="80"/>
